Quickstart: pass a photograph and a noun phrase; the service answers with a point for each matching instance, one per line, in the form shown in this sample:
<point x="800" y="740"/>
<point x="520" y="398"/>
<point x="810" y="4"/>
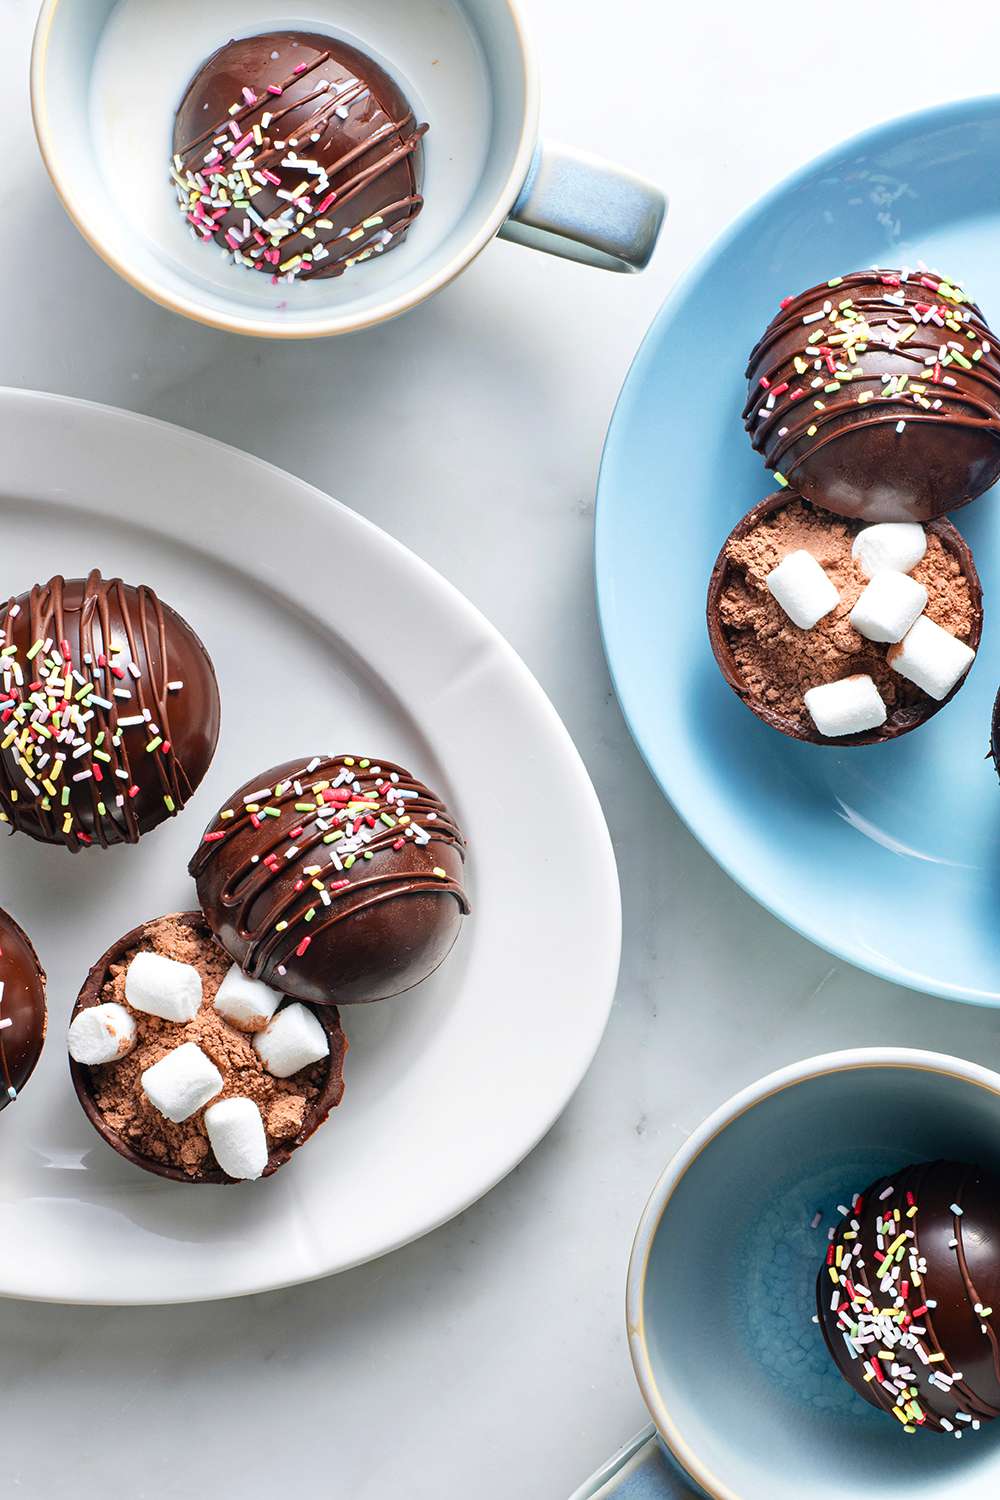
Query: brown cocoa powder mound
<point x="779" y="662"/>
<point x="117" y="1088"/>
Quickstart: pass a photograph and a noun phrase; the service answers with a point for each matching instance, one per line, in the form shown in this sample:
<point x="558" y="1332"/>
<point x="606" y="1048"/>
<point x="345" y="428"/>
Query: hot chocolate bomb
<point x="877" y="395"/>
<point x="298" y="155"/>
<point x="109" y="712"/>
<point x="334" y="879"/>
<point x="22" y="1009"/>
<point x="909" y="1297"/>
<point x="775" y="663"/>
<point x="170" y="1036"/>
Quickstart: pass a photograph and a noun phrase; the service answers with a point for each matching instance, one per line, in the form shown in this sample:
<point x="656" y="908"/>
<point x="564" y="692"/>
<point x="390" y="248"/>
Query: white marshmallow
<point x="293" y="1040"/>
<point x="246" y="1003"/>
<point x="236" y="1132"/>
<point x="181" y="1082"/>
<point x="802" y="589"/>
<point x="101" y="1034"/>
<point x="931" y="657"/>
<point x="162" y="987"/>
<point x="849" y="706"/>
<point x="895" y="545"/>
<point x="888" y="606"/>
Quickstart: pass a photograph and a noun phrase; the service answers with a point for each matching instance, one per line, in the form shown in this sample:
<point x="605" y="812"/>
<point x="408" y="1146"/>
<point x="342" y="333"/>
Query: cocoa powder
<point x="117" y="1088"/>
<point x="777" y="661"/>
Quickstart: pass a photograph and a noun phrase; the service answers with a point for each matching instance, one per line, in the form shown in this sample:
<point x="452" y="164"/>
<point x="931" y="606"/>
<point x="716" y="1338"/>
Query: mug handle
<point x="583" y="208"/>
<point x="639" y="1471"/>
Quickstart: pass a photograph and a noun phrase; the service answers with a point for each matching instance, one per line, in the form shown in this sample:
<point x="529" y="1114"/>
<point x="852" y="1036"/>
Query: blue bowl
<point x="723" y="1274"/>
<point x="888" y="855"/>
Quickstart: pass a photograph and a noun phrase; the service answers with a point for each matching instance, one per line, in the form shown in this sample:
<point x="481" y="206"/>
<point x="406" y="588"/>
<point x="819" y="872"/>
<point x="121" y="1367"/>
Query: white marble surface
<point x="488" y="1359"/>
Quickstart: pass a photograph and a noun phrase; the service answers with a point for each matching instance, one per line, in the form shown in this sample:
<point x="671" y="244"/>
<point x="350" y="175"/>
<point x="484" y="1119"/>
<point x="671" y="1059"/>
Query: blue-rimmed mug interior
<point x="743" y="1377"/>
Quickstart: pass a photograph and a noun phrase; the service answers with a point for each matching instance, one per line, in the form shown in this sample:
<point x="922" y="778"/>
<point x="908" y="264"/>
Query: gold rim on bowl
<point x="727" y="1114"/>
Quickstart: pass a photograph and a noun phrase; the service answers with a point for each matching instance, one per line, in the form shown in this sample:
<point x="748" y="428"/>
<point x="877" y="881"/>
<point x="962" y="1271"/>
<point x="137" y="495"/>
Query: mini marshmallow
<point x="246" y="1003"/>
<point x="101" y="1034"/>
<point x="236" y="1132"/>
<point x="162" y="987"/>
<point x="849" y="706"/>
<point x="293" y="1040"/>
<point x="180" y="1083"/>
<point x="931" y="657"/>
<point x="896" y="546"/>
<point x="802" y="589"/>
<point x="888" y="606"/>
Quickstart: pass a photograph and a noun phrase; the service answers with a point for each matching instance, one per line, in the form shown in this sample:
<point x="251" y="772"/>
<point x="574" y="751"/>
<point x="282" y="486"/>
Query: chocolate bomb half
<point x="325" y="1080"/>
<point x="877" y="395"/>
<point x="110" y="712"/>
<point x="913" y="1272"/>
<point x="334" y="879"/>
<point x="298" y="155"/>
<point x="22" y="1009"/>
<point x="781" y="675"/>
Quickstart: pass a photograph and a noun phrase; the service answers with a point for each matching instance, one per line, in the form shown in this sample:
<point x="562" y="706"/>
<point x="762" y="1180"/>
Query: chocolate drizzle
<point x="943" y="1369"/>
<point x="109" y="711"/>
<point x="878" y="395"/>
<point x="972" y="1295"/>
<point x="303" y="171"/>
<point x="334" y="879"/>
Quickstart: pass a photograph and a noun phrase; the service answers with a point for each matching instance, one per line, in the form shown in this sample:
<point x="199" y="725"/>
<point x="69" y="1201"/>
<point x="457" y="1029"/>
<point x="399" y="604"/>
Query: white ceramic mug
<point x="107" y="75"/>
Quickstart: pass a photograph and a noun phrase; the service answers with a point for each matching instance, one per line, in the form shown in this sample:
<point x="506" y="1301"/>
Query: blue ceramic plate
<point x="889" y="856"/>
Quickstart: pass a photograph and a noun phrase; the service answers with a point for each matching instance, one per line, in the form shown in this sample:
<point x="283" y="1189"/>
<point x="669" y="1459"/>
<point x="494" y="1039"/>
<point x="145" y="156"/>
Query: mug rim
<point x="322" y="326"/>
<point x="733" y="1109"/>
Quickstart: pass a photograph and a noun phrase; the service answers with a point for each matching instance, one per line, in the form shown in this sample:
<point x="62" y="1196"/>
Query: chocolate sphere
<point x="877" y="395"/>
<point x="109" y="712"/>
<point x="22" y="1009"/>
<point x="130" y="1124"/>
<point x="910" y="1283"/>
<point x="775" y="690"/>
<point x="335" y="879"/>
<point x="297" y="154"/>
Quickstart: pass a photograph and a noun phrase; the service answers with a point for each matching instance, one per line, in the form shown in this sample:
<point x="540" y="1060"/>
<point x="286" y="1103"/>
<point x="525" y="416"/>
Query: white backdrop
<point x="488" y="1359"/>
